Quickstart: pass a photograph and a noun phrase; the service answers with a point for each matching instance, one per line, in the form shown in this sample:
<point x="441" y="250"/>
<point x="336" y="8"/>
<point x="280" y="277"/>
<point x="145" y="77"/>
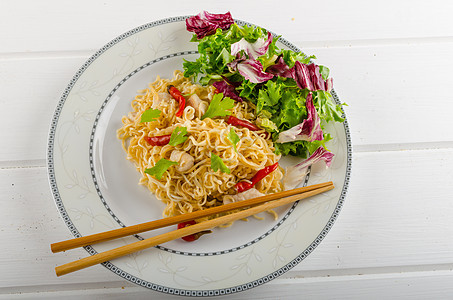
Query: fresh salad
<point x="291" y="94"/>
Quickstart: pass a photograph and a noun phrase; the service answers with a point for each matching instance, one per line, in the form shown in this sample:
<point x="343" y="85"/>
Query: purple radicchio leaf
<point x="308" y="76"/>
<point x="258" y="48"/>
<point x="251" y="69"/>
<point x="316" y="78"/>
<point x="233" y="65"/>
<point x="329" y="84"/>
<point x="206" y="23"/>
<point x="233" y="83"/>
<point x="295" y="174"/>
<point x="280" y="68"/>
<point x="309" y="130"/>
<point x="302" y="76"/>
<point x="227" y="90"/>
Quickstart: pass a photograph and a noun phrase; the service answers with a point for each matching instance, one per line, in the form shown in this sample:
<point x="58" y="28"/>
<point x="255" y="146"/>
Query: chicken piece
<point x="161" y="97"/>
<point x="184" y="159"/>
<point x="248" y="194"/>
<point x="199" y="105"/>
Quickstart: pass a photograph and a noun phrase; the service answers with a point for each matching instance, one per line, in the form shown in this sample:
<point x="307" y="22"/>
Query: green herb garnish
<point x="234" y="138"/>
<point x="217" y="164"/>
<point x="219" y="107"/>
<point x="159" y="169"/>
<point x="150" y="115"/>
<point x="178" y="136"/>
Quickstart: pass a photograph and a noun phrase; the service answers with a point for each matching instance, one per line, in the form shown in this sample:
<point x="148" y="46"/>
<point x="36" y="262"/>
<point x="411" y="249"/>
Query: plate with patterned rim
<point x="96" y="189"/>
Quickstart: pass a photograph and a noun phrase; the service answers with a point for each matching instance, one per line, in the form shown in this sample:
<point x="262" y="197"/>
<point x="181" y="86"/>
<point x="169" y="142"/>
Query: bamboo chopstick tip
<point x="55" y="248"/>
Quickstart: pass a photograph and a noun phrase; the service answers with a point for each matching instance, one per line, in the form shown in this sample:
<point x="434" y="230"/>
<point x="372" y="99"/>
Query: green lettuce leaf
<point x="324" y="71"/>
<point x="215" y="52"/>
<point x="269" y="96"/>
<point x="266" y="124"/>
<point x="326" y="108"/>
<point x="290" y="57"/>
<point x="279" y="102"/>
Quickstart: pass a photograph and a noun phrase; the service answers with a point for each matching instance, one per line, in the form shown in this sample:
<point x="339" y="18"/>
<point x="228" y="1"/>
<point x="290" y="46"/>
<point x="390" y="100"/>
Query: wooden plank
<point x="55" y="26"/>
<point x="390" y="61"/>
<point x="30" y="90"/>
<point x="397" y="213"/>
<point x="423" y="285"/>
<point x="29" y="223"/>
<point x="395" y="92"/>
<point x="401" y="223"/>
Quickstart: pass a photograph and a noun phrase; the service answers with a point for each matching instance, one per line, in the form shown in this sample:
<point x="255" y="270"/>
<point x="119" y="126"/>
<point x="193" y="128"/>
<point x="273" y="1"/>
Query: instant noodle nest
<point x="199" y="186"/>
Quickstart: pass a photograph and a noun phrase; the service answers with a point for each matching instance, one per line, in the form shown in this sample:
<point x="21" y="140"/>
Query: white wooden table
<point x="391" y="62"/>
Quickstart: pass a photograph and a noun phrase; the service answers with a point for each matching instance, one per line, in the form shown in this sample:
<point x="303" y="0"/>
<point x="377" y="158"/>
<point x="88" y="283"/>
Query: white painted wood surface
<point x="391" y="62"/>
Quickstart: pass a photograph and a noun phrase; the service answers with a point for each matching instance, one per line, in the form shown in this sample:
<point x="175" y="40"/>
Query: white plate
<point x="96" y="188"/>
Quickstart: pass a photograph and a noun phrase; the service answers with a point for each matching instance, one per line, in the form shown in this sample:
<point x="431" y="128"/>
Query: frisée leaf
<point x="245" y="64"/>
<point x="309" y="130"/>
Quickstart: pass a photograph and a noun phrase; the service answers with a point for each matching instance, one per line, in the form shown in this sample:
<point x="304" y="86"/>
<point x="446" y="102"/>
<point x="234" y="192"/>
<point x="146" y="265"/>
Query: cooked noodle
<point x="199" y="187"/>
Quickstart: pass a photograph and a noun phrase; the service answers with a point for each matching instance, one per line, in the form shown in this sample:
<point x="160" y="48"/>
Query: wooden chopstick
<point x="169" y="236"/>
<point x="134" y="229"/>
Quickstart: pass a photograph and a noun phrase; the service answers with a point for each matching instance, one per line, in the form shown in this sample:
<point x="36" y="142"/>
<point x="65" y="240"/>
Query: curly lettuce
<point x="289" y="91"/>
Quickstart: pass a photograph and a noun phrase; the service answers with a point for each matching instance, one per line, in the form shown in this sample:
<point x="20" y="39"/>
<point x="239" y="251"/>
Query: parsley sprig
<point x="219" y="107"/>
<point x="234" y="138"/>
<point x="217" y="164"/>
<point x="159" y="169"/>
<point x="150" y="115"/>
<point x="178" y="136"/>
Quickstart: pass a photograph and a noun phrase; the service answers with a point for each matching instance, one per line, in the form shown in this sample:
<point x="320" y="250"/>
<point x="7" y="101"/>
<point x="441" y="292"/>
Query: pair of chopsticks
<point x="255" y="206"/>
